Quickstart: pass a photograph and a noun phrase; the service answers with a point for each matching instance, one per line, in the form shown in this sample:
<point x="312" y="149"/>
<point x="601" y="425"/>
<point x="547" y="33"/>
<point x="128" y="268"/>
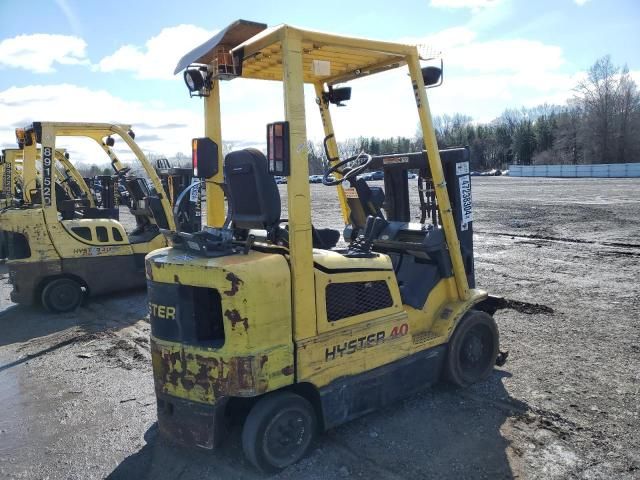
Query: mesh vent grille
<point x="354" y="298"/>
<point x="422" y="337"/>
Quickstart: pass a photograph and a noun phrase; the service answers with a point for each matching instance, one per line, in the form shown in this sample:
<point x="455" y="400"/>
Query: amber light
<point x="194" y="156"/>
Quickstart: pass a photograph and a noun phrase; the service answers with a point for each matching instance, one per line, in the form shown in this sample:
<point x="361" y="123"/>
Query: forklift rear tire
<point x="472" y="350"/>
<point x="278" y="431"/>
<point x="62" y="295"/>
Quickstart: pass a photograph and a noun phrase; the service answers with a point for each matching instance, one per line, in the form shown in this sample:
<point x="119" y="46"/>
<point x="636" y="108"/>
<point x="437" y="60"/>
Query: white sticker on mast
<point x="462" y="168"/>
<point x="465" y="201"/>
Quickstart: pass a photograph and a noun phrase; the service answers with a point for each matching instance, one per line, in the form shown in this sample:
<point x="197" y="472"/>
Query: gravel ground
<point x="77" y="393"/>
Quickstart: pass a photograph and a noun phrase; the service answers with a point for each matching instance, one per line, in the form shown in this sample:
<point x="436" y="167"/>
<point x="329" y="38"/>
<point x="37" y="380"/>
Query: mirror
<point x="278" y="154"/>
<point x="204" y="157"/>
<point x="337" y="95"/>
<point x="432" y="75"/>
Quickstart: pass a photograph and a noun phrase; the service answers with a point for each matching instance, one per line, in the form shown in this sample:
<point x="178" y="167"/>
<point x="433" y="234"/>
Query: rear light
<point x="194" y="156"/>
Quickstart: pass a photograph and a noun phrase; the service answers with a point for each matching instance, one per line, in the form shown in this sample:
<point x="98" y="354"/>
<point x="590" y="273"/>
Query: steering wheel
<point x="347" y="173"/>
<point x="122" y="172"/>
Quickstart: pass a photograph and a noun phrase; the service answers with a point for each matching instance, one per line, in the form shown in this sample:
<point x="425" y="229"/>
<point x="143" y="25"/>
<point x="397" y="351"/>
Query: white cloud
<point x="39" y="52"/>
<point x="580" y="2"/>
<point x="473" y="4"/>
<point x="160" y="54"/>
<point x="159" y="129"/>
<point x="482" y="78"/>
<point x="514" y="55"/>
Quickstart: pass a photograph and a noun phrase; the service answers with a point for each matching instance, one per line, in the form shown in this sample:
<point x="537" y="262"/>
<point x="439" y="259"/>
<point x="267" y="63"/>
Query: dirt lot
<point x="77" y="393"/>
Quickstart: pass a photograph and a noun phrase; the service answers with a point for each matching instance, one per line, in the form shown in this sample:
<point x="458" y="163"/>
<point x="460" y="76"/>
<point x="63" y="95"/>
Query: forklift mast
<point x="187" y="208"/>
<point x="455" y="166"/>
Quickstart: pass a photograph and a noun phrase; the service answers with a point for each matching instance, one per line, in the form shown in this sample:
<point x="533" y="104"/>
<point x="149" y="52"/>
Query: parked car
<point x="412" y="175"/>
<point x="315" y="178"/>
<point x="378" y="175"/>
<point x="280" y="180"/>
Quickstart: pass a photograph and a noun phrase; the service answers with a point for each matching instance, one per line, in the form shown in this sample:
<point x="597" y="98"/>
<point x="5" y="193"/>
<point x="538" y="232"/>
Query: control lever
<point x="363" y="244"/>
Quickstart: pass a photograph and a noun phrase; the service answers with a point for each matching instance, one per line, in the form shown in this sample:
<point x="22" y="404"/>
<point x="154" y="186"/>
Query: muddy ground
<point x="76" y="391"/>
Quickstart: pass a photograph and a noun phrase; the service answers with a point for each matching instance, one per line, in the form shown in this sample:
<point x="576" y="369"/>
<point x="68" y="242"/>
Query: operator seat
<point x="254" y="198"/>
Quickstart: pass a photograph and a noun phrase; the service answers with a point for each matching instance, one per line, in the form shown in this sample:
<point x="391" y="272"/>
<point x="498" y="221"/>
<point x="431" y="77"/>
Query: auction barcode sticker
<point x="465" y="200"/>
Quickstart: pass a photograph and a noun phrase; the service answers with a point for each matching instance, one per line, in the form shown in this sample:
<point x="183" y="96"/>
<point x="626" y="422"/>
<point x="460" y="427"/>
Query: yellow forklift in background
<point x="9" y="171"/>
<point x="265" y="315"/>
<point x="68" y="182"/>
<point x="56" y="245"/>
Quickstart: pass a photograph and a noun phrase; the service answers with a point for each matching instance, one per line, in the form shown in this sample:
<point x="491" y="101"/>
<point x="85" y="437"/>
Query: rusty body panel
<point x="207" y="377"/>
<point x="255" y="353"/>
<point x="191" y="423"/>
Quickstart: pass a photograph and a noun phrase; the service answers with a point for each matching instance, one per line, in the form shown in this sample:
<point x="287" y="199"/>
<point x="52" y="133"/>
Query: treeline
<point x="88" y="171"/>
<point x="600" y="124"/>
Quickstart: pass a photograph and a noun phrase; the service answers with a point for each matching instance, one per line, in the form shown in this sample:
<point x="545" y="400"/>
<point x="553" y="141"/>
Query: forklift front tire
<point x="278" y="431"/>
<point x="472" y="350"/>
<point x="62" y="295"/>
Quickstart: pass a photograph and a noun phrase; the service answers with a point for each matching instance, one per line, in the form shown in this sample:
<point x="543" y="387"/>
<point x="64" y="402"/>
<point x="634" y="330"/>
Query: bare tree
<point x="611" y="105"/>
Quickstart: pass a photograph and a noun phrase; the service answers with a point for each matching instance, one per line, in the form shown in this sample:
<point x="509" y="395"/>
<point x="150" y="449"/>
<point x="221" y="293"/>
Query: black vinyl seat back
<point x="159" y="215"/>
<point x="138" y="188"/>
<point x="254" y="195"/>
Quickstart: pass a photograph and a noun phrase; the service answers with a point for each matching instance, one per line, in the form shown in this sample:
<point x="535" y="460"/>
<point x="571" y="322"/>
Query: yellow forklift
<point x="57" y="244"/>
<point x="69" y="180"/>
<point x="69" y="183"/>
<point x="9" y="169"/>
<point x="266" y="316"/>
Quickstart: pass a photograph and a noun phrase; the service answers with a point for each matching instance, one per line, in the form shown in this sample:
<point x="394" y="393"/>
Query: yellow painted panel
<point x="353" y="349"/>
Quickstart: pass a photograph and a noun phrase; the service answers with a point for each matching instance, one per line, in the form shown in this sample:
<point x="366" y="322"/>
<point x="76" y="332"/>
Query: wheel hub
<point x="286" y="435"/>
<point x="473" y="349"/>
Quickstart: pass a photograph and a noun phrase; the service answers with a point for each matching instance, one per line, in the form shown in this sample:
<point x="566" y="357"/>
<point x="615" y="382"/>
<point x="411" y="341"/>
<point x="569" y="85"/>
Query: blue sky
<point x="96" y="61"/>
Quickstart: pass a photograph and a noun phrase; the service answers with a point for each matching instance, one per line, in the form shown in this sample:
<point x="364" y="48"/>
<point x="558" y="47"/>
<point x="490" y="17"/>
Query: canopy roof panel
<point x="233" y="35"/>
<point x="326" y="57"/>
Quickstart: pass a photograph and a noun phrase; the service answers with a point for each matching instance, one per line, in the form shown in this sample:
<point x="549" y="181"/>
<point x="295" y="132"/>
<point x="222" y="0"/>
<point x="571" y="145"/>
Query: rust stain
<point x="235" y="317"/>
<point x="176" y="279"/>
<point x="235" y="284"/>
<point x="149" y="271"/>
<point x="287" y="370"/>
<point x="215" y="376"/>
<point x="241" y="373"/>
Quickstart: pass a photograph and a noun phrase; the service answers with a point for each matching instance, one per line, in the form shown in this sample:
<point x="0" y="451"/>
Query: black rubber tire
<point x="62" y="295"/>
<point x="4" y="251"/>
<point x="267" y="415"/>
<point x="473" y="349"/>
